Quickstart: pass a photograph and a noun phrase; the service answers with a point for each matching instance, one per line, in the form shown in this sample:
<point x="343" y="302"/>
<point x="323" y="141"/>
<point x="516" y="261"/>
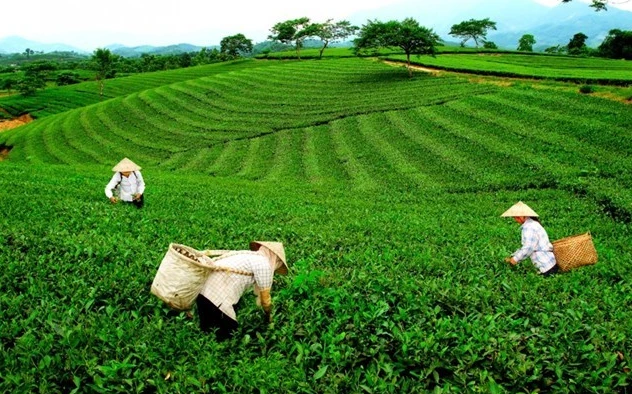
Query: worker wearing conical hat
<point x="127" y="182"/>
<point x="535" y="240"/>
<point x="234" y="273"/>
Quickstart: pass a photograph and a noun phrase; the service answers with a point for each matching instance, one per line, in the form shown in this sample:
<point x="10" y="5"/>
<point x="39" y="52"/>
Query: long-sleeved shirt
<point x="535" y="244"/>
<point x="129" y="186"/>
<point x="225" y="288"/>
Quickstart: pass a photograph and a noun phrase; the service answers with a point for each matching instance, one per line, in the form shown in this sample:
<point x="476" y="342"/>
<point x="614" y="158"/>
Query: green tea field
<point x="548" y="67"/>
<point x="386" y="192"/>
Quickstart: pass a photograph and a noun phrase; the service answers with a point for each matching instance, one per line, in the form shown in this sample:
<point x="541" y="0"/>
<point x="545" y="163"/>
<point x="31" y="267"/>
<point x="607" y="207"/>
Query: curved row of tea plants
<point x="183" y="118"/>
<point x="559" y="68"/>
<point x="59" y="99"/>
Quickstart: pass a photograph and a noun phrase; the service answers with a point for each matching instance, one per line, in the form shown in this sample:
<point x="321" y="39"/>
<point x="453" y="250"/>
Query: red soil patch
<point x="15" y="122"/>
<point x="4" y="151"/>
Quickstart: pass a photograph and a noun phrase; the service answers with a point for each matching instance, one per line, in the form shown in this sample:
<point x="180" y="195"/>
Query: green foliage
<point x="330" y="32"/>
<point x="526" y="43"/>
<point x="236" y="45"/>
<point x="103" y="62"/>
<point x="586" y="89"/>
<point x="386" y="192"/>
<point x="294" y="32"/>
<point x="559" y="68"/>
<point x="617" y="45"/>
<point x="557" y="49"/>
<point x="577" y="44"/>
<point x="54" y="100"/>
<point x="490" y="45"/>
<point x="475" y="29"/>
<point x="30" y="83"/>
<point x="598" y="5"/>
<point x="67" y="78"/>
<point x="406" y="35"/>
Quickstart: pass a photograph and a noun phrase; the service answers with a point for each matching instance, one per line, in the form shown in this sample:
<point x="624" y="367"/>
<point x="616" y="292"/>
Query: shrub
<point x="587" y="89"/>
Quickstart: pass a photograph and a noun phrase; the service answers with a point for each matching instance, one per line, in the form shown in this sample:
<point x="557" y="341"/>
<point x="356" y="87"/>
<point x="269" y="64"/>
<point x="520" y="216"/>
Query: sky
<point x="88" y="24"/>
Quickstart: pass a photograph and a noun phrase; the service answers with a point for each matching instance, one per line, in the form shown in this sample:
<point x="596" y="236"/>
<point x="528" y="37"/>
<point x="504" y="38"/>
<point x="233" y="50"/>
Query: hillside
<point x="386" y="192"/>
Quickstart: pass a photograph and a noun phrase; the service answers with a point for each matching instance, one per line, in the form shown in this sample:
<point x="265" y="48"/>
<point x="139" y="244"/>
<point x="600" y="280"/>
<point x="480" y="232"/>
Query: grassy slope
<point x="561" y="68"/>
<point x="59" y="99"/>
<point x="390" y="219"/>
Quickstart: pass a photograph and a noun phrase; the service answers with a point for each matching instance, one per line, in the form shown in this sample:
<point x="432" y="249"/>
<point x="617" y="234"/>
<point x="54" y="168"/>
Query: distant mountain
<point x="549" y="25"/>
<point x="15" y="44"/>
<point x="153" y="50"/>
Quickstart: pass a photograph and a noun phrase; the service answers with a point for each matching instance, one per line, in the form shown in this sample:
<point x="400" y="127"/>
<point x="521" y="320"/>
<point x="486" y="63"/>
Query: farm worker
<point x="535" y="240"/>
<point x="129" y="183"/>
<point x="239" y="271"/>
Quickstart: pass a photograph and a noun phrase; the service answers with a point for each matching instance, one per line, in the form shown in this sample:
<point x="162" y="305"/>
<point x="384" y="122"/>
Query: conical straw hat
<point x="126" y="165"/>
<point x="519" y="209"/>
<point x="276" y="248"/>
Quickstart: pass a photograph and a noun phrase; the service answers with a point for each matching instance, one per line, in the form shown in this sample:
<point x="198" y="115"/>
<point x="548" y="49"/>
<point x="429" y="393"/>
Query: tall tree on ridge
<point x="293" y="31"/>
<point x="103" y="62"/>
<point x="407" y="35"/>
<point x="526" y="43"/>
<point x="235" y="46"/>
<point x="329" y="32"/>
<point x="475" y="29"/>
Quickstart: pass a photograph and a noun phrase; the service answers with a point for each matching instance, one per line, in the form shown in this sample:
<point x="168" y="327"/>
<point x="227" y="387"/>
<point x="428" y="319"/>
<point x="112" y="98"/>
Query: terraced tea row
<point x="153" y="125"/>
<point x="55" y="100"/>
<point x="480" y="143"/>
<point x="563" y="68"/>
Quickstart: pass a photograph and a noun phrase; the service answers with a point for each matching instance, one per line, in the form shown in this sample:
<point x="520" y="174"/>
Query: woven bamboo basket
<point x="575" y="251"/>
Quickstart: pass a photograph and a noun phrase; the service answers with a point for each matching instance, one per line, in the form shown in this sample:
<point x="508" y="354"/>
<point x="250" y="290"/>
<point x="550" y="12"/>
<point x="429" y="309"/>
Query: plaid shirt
<point x="535" y="244"/>
<point x="224" y="289"/>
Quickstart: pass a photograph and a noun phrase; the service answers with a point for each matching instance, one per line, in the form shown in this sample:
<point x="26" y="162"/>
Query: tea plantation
<point x="386" y="192"/>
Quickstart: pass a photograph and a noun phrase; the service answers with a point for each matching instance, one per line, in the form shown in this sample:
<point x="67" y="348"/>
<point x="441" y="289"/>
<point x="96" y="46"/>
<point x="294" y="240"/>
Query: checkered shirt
<point x="535" y="244"/>
<point x="224" y="289"/>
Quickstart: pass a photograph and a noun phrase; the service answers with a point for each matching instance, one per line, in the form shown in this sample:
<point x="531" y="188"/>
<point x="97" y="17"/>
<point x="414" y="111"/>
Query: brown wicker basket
<point x="575" y="251"/>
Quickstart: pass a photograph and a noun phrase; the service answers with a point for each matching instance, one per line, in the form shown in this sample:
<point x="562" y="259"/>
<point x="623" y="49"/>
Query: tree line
<point x="407" y="35"/>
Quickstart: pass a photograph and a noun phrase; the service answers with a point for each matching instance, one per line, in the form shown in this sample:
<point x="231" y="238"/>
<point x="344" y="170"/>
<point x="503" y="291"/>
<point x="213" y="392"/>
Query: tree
<point x="600" y="5"/>
<point x="8" y="84"/>
<point x="32" y="81"/>
<point x="490" y="45"/>
<point x="28" y="52"/>
<point x="407" y="35"/>
<point x="332" y="32"/>
<point x="206" y="56"/>
<point x="617" y="45"/>
<point x="555" y="49"/>
<point x="67" y="78"/>
<point x="526" y="43"/>
<point x="293" y="31"/>
<point x="577" y="44"/>
<point x="475" y="29"/>
<point x="103" y="62"/>
<point x="235" y="46"/>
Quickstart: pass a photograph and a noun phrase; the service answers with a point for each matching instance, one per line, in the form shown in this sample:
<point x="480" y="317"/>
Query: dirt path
<point x="15" y="122"/>
<point x="413" y="67"/>
<point x="509" y="81"/>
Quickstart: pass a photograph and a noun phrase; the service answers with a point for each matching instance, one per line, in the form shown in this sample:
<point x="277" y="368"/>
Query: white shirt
<point x="224" y="288"/>
<point x="129" y="186"/>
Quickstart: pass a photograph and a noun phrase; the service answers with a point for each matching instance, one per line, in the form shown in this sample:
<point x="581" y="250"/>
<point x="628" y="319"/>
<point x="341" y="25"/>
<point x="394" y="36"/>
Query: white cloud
<point x="159" y="22"/>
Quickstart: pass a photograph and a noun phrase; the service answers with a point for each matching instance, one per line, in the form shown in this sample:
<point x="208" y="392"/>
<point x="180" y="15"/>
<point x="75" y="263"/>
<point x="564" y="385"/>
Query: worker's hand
<point x="113" y="200"/>
<point x="137" y="196"/>
<point x="511" y="260"/>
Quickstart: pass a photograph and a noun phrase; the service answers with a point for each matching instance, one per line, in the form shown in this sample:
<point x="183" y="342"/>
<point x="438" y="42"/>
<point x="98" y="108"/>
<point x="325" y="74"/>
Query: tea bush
<point x="386" y="193"/>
